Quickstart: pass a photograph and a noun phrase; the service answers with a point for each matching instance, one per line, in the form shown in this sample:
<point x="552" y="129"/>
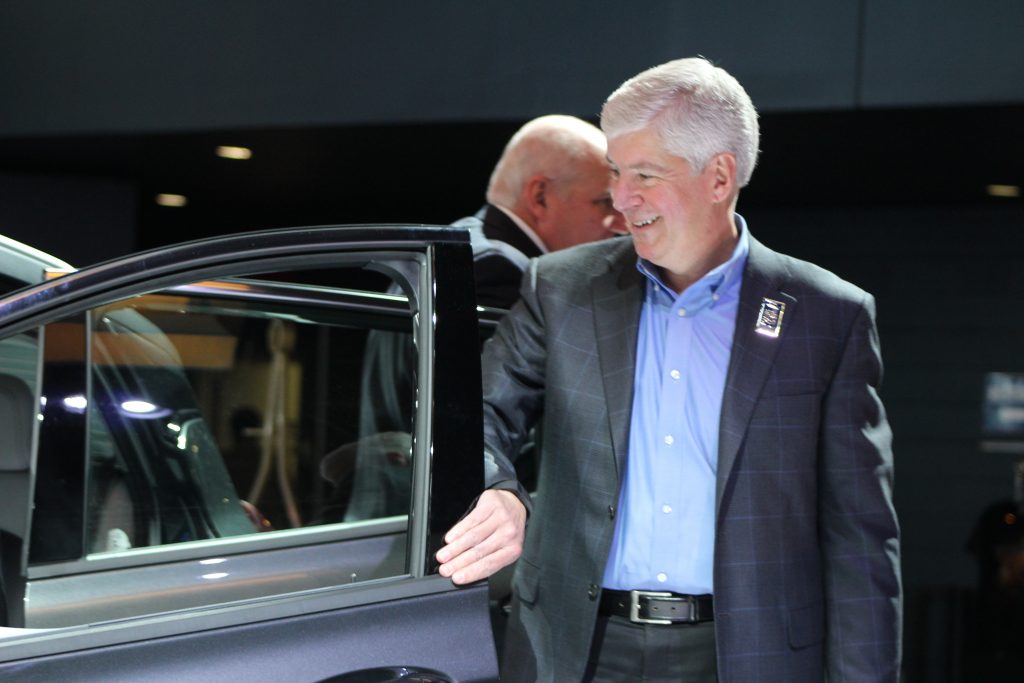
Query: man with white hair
<point x="715" y="494"/>
<point x="548" y="191"/>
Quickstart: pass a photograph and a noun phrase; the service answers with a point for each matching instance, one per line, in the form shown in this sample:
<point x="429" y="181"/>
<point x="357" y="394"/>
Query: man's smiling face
<point x="667" y="207"/>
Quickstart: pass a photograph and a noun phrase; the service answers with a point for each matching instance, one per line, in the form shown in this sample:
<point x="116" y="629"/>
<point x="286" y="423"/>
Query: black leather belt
<point x="655" y="607"/>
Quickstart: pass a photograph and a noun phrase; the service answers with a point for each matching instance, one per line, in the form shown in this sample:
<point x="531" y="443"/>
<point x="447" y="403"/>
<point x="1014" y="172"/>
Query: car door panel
<point x="437" y="631"/>
<point x="102" y="591"/>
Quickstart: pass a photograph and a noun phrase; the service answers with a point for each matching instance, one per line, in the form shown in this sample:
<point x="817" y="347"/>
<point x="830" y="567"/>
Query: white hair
<point x="698" y="110"/>
<point x="554" y="146"/>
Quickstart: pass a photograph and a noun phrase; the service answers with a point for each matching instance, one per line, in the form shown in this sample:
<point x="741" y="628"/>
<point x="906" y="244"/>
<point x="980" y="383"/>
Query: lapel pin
<point x="769" y="319"/>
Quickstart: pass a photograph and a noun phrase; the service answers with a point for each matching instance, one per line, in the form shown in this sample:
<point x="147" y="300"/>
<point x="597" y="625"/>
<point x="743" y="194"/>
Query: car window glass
<point x="215" y="413"/>
<point x="219" y="410"/>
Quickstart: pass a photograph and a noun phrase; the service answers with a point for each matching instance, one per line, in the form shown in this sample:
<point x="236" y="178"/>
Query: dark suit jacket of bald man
<point x="501" y="251"/>
<point x="806" y="560"/>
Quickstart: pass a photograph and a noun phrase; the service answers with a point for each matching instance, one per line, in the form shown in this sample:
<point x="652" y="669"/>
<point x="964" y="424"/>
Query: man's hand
<point x="487" y="539"/>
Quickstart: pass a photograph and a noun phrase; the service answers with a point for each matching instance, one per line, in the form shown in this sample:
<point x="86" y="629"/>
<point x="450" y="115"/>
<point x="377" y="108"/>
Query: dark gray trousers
<point x="626" y="652"/>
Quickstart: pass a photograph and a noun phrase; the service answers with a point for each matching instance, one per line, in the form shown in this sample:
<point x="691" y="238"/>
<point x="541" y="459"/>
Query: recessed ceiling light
<point x="1003" y="190"/>
<point x="229" y="152"/>
<point x="175" y="200"/>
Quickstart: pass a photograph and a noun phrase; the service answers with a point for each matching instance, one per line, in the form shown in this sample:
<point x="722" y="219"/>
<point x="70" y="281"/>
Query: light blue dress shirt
<point x="665" y="525"/>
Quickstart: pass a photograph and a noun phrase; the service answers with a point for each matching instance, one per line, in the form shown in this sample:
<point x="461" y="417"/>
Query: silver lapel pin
<point x="769" y="319"/>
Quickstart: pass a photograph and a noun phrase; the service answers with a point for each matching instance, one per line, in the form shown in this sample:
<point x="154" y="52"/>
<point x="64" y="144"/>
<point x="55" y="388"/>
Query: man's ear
<point x="535" y="193"/>
<point x="723" y="177"/>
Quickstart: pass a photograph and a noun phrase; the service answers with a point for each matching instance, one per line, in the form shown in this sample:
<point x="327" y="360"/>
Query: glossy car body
<point x="234" y="459"/>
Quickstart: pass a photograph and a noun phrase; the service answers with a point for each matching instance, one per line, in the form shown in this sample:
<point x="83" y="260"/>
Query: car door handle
<point x="391" y="674"/>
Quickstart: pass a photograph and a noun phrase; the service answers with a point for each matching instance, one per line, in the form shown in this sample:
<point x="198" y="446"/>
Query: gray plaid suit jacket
<point x="806" y="573"/>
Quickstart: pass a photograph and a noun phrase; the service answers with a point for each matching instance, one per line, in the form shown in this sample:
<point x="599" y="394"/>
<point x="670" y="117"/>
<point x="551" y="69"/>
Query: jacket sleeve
<point x="858" y="528"/>
<point x="513" y="385"/>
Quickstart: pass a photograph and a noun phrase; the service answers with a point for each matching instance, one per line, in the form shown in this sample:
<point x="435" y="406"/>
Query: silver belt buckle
<point x="634" y="607"/>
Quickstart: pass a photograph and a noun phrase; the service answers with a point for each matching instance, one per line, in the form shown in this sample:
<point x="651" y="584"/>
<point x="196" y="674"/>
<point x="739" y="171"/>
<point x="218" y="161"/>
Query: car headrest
<point x="16" y="416"/>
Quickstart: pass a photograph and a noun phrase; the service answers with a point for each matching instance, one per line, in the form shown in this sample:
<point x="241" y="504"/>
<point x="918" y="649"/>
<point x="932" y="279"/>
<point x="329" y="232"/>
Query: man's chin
<point x="643" y="248"/>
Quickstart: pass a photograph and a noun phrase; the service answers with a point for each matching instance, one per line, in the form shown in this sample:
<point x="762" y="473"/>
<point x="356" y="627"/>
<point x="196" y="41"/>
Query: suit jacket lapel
<point x="617" y="298"/>
<point x="752" y="354"/>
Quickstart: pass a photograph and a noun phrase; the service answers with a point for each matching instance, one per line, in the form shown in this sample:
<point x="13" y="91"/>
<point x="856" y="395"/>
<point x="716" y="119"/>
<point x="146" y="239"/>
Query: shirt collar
<point x="720" y="278"/>
<point x="521" y="224"/>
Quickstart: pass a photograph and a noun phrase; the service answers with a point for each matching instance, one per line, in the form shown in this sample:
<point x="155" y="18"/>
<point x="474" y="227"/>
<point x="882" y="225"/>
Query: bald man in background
<point x="548" y="191"/>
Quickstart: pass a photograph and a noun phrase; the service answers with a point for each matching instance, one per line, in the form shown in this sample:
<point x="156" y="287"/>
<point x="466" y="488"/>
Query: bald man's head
<point x="553" y="175"/>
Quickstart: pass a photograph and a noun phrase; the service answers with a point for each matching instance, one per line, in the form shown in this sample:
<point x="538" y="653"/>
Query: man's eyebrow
<point x="648" y="166"/>
<point x="643" y="164"/>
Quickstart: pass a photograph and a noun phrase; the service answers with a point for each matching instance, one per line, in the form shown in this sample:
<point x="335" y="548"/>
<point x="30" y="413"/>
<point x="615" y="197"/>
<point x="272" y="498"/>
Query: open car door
<point x="235" y="459"/>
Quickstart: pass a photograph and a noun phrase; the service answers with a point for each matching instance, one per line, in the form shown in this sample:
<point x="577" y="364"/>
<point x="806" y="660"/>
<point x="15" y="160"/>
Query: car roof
<point x="27" y="264"/>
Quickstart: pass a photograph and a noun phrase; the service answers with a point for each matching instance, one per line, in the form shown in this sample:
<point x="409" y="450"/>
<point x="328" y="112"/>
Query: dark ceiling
<point x="435" y="173"/>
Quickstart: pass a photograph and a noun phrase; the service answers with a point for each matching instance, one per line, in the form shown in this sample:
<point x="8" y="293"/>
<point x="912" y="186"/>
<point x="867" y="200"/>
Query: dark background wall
<point x="119" y="65"/>
<point x="884" y="121"/>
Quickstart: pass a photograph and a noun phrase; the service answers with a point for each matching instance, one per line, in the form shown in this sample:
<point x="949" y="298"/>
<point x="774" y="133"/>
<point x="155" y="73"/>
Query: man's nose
<point x="622" y="197"/>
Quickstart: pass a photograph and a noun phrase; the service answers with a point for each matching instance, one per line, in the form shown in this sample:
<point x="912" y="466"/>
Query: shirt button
<point x="592" y="591"/>
<point x="662" y="577"/>
<point x="666" y="509"/>
<point x="715" y="297"/>
<point x="675" y="374"/>
<point x="669" y="440"/>
<point x="681" y="312"/>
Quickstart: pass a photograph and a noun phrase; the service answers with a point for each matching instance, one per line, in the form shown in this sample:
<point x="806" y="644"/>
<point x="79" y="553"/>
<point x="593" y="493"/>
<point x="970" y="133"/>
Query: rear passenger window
<point x="228" y="409"/>
<point x="217" y="413"/>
